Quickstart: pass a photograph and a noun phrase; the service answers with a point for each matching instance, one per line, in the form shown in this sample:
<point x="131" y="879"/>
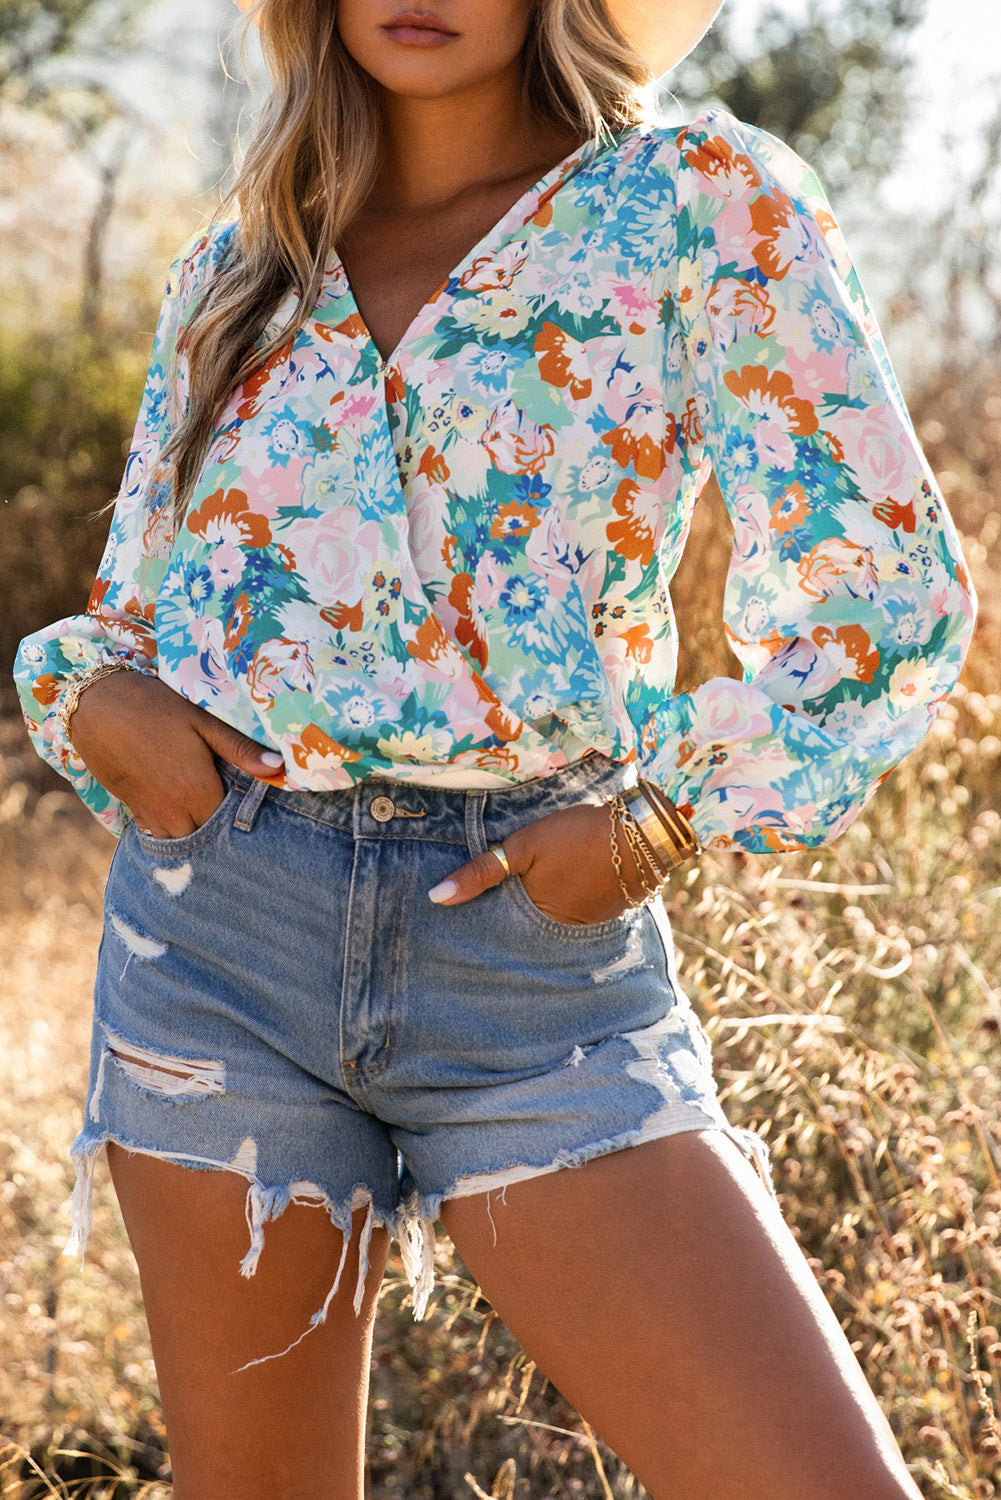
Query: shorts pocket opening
<point x="198" y="836"/>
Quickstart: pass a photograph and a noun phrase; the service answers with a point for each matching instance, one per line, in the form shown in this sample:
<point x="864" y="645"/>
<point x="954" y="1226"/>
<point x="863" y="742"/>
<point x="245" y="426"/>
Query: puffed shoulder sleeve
<point x="847" y="602"/>
<point x="118" y="620"/>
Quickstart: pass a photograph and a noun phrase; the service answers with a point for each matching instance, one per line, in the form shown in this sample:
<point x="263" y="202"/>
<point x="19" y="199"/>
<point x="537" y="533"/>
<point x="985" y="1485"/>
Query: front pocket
<point x="515" y="888"/>
<point x="199" y="836"/>
<point x="512" y="890"/>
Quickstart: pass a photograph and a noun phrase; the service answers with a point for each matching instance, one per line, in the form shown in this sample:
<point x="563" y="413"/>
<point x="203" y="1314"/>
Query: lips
<point x="418" y="20"/>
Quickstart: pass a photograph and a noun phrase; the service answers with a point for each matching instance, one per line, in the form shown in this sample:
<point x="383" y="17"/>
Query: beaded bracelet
<point x="71" y="694"/>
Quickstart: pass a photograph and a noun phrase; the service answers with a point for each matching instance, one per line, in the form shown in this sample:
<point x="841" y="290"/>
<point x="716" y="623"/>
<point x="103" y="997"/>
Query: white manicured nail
<point x="272" y="758"/>
<point x="443" y="890"/>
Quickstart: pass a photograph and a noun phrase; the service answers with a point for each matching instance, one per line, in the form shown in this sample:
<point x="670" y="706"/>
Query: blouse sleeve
<point x="847" y="601"/>
<point x="117" y="623"/>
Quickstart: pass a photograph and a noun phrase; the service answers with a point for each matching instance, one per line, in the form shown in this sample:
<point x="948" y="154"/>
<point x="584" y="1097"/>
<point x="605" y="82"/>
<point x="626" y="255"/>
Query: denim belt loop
<point x="475" y="800"/>
<point x="251" y="801"/>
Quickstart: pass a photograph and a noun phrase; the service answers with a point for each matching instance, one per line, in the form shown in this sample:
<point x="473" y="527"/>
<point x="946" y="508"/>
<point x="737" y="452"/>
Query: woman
<point x="398" y="770"/>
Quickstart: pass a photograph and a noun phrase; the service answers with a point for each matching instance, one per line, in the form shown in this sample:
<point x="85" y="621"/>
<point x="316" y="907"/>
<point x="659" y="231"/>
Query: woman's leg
<point x="292" y="1428"/>
<point x="662" y="1292"/>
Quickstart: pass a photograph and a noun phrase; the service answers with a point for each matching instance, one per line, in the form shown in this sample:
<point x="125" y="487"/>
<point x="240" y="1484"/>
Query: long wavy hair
<point x="309" y="166"/>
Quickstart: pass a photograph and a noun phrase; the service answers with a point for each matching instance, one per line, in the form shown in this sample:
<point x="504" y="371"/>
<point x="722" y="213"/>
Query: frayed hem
<point x="412" y="1231"/>
<point x="753" y="1146"/>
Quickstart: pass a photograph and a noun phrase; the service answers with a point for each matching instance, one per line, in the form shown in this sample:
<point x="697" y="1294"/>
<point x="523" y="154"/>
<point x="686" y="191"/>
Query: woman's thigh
<point x="288" y="1427"/>
<point x="661" y="1291"/>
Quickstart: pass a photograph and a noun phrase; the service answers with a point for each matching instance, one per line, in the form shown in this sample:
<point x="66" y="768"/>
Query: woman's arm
<point x="117" y="623"/>
<point x="847" y="600"/>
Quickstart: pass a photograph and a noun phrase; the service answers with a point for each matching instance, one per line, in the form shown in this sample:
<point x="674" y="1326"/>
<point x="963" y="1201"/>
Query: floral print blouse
<point x="454" y="565"/>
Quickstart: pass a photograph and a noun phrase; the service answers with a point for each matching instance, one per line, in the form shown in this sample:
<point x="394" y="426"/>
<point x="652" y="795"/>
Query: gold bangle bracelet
<point x="650" y="826"/>
<point x="677" y="827"/>
<point x="680" y="840"/>
<point x="668" y="849"/>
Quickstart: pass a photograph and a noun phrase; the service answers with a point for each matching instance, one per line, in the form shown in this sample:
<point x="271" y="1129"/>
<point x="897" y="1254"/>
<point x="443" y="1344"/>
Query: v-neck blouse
<point x="453" y="566"/>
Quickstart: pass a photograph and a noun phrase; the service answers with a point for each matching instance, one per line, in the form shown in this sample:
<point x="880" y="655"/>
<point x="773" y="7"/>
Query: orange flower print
<point x="500" y="758"/>
<point x="142" y="609"/>
<point x="858" y="660"/>
<point x="737" y="307"/>
<point x="790" y="509"/>
<point x="46" y="688"/>
<point x="514" y="519"/>
<point x="278" y="666"/>
<point x="345" y="616"/>
<point x="644" y="439"/>
<point x="466" y="632"/>
<point x="158" y="521"/>
<point x="898" y="517"/>
<point x="638" y="643"/>
<point x="543" y="216"/>
<point x="432" y="645"/>
<point x="253" y="388"/>
<point x="131" y="624"/>
<point x="515" y="444"/>
<point x="769" y="393"/>
<point x="238" y="619"/>
<point x="352" y="327"/>
<point x="488" y="272"/>
<point x="690" y="425"/>
<point x="835" y="446"/>
<point x="395" y="385"/>
<point x="783" y="234"/>
<point x="729" y="172"/>
<point x="225" y="514"/>
<point x="502" y="721"/>
<point x="836" y="567"/>
<point x="563" y="361"/>
<point x="97" y="595"/>
<point x="314" y="748"/>
<point x="432" y="465"/>
<point x="635" y="535"/>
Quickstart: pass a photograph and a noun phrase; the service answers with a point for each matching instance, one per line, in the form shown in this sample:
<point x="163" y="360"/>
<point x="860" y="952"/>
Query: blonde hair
<point x="309" y="166"/>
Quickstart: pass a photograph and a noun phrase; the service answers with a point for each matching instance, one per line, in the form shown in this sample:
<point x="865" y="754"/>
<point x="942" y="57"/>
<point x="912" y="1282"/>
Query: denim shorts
<point x="277" y="996"/>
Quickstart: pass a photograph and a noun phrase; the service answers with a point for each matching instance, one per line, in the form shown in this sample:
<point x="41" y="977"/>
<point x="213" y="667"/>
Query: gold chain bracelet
<point x="643" y="859"/>
<point x="71" y="694"/>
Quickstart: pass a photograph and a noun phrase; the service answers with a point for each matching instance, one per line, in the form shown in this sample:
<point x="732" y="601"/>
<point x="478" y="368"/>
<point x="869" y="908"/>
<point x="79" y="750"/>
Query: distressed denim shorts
<point x="277" y="996"/>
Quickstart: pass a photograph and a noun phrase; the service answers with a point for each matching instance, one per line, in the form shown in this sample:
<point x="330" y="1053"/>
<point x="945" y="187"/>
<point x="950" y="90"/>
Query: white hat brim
<point x="661" y="31"/>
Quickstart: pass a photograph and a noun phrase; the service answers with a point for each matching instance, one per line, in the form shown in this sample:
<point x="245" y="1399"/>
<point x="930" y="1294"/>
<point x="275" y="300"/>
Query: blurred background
<point x="852" y="997"/>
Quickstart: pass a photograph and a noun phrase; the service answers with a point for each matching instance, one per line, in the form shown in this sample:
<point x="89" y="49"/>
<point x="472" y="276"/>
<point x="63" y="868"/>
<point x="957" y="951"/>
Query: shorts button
<point x="382" y="809"/>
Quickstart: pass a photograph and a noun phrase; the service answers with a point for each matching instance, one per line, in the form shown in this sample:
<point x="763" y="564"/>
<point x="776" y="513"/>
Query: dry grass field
<point x="854" y="1005"/>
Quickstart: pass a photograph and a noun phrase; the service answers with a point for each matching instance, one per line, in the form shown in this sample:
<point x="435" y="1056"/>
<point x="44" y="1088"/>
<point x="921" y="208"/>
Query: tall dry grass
<point x="854" y="1007"/>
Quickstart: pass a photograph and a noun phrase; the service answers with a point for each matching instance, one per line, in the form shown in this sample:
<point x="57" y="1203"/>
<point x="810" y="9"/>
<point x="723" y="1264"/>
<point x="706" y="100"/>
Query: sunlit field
<point x="854" y="1005"/>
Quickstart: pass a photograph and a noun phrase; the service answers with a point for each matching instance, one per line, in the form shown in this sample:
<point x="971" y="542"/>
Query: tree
<point x="833" y="82"/>
<point x="34" y="32"/>
<point x="54" y="57"/>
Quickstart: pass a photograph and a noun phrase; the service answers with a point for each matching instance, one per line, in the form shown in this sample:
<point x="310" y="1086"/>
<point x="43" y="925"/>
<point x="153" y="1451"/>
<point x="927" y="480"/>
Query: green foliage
<point x="68" y="404"/>
<point x="33" y="32"/>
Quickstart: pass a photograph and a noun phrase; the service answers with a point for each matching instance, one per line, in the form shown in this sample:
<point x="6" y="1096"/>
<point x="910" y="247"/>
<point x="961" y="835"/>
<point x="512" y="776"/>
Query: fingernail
<point x="272" y="758"/>
<point x="443" y="890"/>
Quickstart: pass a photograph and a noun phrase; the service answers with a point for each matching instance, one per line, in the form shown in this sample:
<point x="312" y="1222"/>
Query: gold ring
<point x="498" y="849"/>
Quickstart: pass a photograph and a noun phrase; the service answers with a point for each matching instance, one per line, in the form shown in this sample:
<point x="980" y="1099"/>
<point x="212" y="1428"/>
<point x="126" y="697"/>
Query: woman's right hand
<point x="153" y="749"/>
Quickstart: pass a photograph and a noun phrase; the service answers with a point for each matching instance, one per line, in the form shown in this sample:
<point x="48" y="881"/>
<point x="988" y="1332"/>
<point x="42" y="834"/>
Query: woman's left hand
<point x="565" y="863"/>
